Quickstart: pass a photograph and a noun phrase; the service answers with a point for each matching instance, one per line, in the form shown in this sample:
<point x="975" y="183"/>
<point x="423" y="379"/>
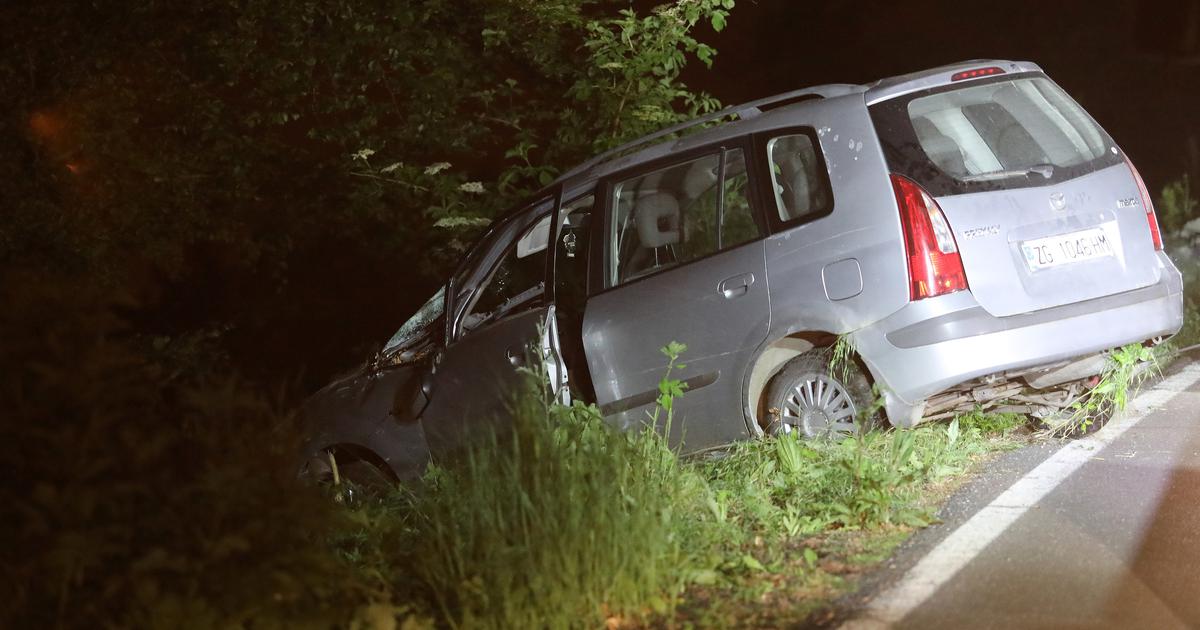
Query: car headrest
<point x="700" y="177"/>
<point x="657" y="218"/>
<point x="941" y="149"/>
<point x="799" y="197"/>
<point x="945" y="153"/>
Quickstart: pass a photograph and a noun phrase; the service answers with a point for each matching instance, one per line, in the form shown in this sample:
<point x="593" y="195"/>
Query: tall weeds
<point x="1127" y="367"/>
<point x="561" y="523"/>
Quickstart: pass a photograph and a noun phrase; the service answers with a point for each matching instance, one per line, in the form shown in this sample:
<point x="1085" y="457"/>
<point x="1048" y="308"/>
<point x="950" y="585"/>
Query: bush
<point x="1176" y="206"/>
<point x="139" y="497"/>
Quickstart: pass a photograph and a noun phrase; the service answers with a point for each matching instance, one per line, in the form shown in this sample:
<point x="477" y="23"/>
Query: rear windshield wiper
<point x="1045" y="170"/>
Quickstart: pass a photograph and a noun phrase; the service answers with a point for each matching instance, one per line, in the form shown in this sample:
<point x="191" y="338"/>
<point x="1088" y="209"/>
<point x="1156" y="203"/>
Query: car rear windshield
<point x="995" y="134"/>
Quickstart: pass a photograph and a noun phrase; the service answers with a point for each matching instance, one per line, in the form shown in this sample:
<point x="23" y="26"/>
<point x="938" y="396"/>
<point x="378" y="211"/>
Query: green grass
<point x="563" y="523"/>
<point x="1002" y="424"/>
<point x="814" y="515"/>
<point x="567" y="522"/>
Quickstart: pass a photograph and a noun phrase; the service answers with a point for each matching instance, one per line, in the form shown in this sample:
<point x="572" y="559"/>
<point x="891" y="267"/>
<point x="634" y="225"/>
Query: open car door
<point x="499" y="318"/>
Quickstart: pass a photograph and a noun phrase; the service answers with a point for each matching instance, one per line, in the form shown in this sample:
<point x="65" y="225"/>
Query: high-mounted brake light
<point x="1151" y="218"/>
<point x="934" y="264"/>
<point x="976" y="73"/>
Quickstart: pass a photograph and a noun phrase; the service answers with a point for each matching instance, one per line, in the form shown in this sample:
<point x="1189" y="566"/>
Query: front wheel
<point x="356" y="479"/>
<point x="817" y="399"/>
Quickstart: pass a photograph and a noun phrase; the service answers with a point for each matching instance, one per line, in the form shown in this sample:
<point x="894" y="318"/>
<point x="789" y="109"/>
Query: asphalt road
<point x="1098" y="533"/>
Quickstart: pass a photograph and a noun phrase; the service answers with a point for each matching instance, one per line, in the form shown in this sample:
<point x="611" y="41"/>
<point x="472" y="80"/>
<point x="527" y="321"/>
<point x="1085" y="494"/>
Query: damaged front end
<point x="371" y="414"/>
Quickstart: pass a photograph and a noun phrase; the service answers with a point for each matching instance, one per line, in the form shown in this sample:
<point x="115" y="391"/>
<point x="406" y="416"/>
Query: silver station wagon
<point x="969" y="230"/>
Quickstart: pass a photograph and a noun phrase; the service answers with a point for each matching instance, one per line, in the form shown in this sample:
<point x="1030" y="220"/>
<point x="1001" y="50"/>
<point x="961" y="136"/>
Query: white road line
<point x="966" y="542"/>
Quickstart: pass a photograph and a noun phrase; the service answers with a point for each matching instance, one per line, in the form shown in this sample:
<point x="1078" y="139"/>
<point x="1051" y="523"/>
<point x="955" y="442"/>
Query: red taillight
<point x="1151" y="218"/>
<point x="934" y="265"/>
<point x="976" y="73"/>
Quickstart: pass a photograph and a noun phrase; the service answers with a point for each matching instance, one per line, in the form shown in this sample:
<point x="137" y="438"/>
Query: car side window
<point x="680" y="213"/>
<point x="798" y="178"/>
<point x="519" y="280"/>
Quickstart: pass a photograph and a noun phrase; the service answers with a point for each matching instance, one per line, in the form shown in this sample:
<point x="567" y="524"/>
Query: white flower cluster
<point x="437" y="167"/>
<point x="471" y="187"/>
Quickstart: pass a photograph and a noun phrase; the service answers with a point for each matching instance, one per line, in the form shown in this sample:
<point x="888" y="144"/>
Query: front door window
<point x="518" y="281"/>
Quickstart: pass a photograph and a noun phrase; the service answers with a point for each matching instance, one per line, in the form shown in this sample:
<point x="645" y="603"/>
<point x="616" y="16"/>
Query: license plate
<point x="1064" y="249"/>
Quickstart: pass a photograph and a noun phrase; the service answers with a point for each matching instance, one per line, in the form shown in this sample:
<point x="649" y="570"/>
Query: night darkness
<point x="1135" y="66"/>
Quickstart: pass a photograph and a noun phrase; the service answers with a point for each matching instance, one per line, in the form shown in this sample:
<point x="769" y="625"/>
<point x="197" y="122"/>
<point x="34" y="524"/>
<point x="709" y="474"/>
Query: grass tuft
<point x="564" y="522"/>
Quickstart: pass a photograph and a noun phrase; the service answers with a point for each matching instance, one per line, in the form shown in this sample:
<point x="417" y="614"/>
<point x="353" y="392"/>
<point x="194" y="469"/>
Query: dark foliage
<point x="137" y="497"/>
<point x="288" y="176"/>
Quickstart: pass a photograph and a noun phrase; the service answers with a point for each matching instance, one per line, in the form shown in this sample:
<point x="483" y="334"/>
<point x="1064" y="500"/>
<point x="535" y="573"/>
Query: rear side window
<point x="680" y="213"/>
<point x="798" y="179"/>
<point x="988" y="135"/>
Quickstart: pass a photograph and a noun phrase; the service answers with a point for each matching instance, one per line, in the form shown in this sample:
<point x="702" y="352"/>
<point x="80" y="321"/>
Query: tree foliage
<point x="277" y="181"/>
<point x="243" y="166"/>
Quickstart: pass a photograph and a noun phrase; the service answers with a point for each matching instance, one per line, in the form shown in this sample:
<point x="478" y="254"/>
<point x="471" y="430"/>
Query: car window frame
<point x="600" y="271"/>
<point x="560" y="201"/>
<point x="764" y="180"/>
<point x="481" y="262"/>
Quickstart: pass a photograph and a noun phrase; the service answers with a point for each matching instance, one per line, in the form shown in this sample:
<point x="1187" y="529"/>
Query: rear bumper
<point x="932" y="345"/>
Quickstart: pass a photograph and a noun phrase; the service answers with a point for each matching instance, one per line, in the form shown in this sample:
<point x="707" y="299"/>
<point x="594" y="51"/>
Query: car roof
<point x="665" y="142"/>
<point x="646" y="148"/>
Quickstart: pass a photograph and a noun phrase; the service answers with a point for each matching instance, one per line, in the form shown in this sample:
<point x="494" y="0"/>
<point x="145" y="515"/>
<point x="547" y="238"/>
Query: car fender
<point x="372" y="409"/>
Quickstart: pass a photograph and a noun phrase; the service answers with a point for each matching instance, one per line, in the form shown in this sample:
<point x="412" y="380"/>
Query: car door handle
<point x="515" y="356"/>
<point x="735" y="286"/>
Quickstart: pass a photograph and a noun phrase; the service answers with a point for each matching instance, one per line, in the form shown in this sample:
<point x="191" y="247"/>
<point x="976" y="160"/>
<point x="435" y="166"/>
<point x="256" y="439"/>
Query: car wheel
<point x="809" y="397"/>
<point x="356" y="479"/>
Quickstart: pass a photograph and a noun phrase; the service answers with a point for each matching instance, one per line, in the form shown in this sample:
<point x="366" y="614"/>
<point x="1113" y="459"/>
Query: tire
<point x="806" y="397"/>
<point x="359" y="479"/>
